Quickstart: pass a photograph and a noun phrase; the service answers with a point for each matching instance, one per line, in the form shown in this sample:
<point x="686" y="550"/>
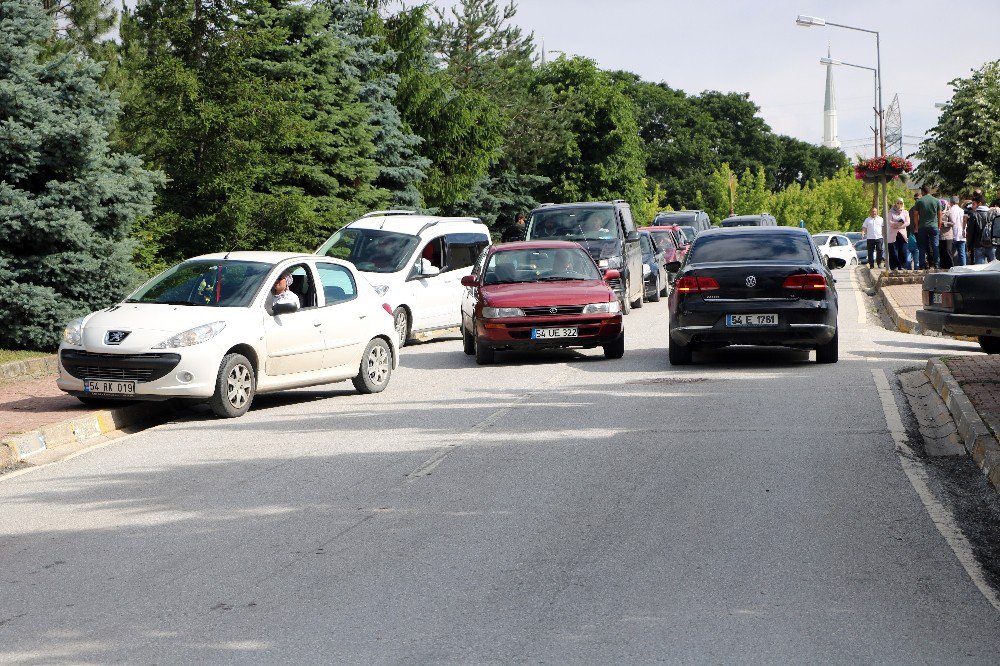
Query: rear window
<point x="741" y="222"/>
<point x="730" y="248"/>
<point x="674" y="218"/>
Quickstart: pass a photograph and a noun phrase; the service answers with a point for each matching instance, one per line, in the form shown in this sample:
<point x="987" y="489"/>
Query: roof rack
<point x="386" y="213"/>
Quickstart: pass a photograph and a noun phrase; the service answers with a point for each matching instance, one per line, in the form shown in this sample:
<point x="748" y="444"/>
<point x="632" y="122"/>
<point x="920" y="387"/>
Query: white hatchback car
<point x="206" y="329"/>
<point x="415" y="262"/>
<point x="836" y="250"/>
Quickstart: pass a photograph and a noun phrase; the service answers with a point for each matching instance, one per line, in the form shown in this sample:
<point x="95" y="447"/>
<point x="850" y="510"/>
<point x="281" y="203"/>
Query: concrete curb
<point x="81" y="429"/>
<point x="29" y="368"/>
<point x="977" y="438"/>
<point x="901" y="321"/>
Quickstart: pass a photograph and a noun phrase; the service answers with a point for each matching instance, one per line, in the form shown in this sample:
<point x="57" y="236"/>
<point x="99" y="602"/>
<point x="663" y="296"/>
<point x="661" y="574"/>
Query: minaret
<point x="830" y="138"/>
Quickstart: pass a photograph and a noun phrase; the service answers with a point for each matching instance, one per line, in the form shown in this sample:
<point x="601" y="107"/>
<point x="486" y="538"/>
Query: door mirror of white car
<point x="427" y="269"/>
<point x="284" y="308"/>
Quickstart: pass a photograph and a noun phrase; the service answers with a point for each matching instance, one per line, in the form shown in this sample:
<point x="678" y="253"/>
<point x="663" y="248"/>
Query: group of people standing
<point x="933" y="233"/>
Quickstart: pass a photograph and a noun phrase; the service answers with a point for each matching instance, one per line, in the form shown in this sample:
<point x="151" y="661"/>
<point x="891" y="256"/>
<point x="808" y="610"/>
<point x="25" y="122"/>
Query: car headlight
<point x="611" y="307"/>
<point x="73" y="333"/>
<point x="610" y="262"/>
<point x="380" y="289"/>
<point x="194" y="336"/>
<point x="495" y="313"/>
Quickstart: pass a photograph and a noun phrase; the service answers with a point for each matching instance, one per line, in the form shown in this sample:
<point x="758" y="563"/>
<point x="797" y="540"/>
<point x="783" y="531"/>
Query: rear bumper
<point x="593" y="331"/>
<point x="801" y="323"/>
<point x="959" y="324"/>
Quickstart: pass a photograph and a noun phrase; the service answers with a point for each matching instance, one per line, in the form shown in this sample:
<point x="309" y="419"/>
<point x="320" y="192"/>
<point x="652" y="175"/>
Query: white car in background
<point x="414" y="262"/>
<point x="206" y="329"/>
<point x="836" y="249"/>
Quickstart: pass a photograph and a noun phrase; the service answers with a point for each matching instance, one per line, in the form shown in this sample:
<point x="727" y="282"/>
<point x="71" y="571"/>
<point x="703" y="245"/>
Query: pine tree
<point x="67" y="202"/>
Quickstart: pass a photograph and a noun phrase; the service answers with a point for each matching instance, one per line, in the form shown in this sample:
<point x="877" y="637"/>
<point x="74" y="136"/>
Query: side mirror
<point x="673" y="266"/>
<point x="427" y="269"/>
<point x="611" y="274"/>
<point x="632" y="236"/>
<point x="469" y="281"/>
<point x="283" y="308"/>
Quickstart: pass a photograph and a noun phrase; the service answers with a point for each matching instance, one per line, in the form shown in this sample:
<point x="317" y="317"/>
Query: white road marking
<point x="915" y="472"/>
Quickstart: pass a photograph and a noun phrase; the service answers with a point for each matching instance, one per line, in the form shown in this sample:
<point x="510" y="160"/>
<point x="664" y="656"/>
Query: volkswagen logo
<point x="553" y="310"/>
<point x="115" y="337"/>
<point x="751" y="281"/>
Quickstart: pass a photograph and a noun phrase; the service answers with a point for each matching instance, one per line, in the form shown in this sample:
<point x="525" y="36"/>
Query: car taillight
<point x="385" y="306"/>
<point x="695" y="285"/>
<point x="805" y="282"/>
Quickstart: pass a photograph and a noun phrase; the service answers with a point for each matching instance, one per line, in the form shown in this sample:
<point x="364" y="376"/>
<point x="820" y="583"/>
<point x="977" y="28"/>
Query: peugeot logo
<point x="751" y="281"/>
<point x="115" y="337"/>
<point x="553" y="310"/>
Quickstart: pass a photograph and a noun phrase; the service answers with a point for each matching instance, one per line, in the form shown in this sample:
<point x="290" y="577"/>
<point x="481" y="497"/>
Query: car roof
<point x="262" y="257"/>
<point x="415" y="224"/>
<point x="735" y="231"/>
<point x="579" y="204"/>
<point x="658" y="229"/>
<point x="538" y="245"/>
<point x="747" y="217"/>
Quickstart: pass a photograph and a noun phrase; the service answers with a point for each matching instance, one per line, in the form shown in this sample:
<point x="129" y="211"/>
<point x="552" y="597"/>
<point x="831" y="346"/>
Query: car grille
<point x="554" y="310"/>
<point x="137" y="367"/>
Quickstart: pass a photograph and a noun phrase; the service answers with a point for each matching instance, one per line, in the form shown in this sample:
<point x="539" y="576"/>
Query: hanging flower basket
<point x="875" y="169"/>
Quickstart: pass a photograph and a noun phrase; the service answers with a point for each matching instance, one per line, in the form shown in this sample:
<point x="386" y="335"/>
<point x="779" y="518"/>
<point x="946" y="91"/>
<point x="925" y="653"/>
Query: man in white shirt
<point x="282" y="293"/>
<point x="871" y="230"/>
<point x="956" y="216"/>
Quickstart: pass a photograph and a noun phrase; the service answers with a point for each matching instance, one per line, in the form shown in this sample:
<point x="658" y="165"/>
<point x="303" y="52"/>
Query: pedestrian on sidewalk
<point x="956" y="216"/>
<point x="896" y="248"/>
<point x="926" y="219"/>
<point x="912" y="241"/>
<point x="979" y="227"/>
<point x="871" y="230"/>
<point x="947" y="237"/>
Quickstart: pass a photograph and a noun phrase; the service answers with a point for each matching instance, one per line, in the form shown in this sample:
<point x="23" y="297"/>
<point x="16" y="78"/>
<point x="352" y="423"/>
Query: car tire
<point x="375" y="369"/>
<point x="616" y="349"/>
<point x="828" y="353"/>
<point x="484" y="355"/>
<point x="235" y="387"/>
<point x="990" y="344"/>
<point x="468" y="342"/>
<point x="401" y="322"/>
<point x="680" y="354"/>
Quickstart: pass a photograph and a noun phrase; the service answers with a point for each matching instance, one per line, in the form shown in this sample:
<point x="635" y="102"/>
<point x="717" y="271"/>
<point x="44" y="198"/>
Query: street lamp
<point x="834" y="61"/>
<point x="810" y="21"/>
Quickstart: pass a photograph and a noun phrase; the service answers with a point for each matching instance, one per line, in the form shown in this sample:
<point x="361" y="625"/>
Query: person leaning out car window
<point x="281" y="293"/>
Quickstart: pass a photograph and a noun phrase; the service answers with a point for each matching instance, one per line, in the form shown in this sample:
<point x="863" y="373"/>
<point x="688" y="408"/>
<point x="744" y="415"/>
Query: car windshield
<point x="227" y="284"/>
<point x="820" y="239"/>
<point x="741" y="222"/>
<point x="665" y="238"/>
<point x="673" y="218"/>
<point x="540" y="265"/>
<point x="751" y="248"/>
<point x="573" y="224"/>
<point x="689" y="233"/>
<point x="371" y="250"/>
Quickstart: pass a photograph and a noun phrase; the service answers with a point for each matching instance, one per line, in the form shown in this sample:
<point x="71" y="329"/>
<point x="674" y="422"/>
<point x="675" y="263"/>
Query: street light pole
<point x="810" y="21"/>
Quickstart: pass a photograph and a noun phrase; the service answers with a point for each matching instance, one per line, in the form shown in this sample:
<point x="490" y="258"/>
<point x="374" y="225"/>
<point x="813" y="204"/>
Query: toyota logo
<point x="115" y="337"/>
<point x="553" y="310"/>
<point x="751" y="281"/>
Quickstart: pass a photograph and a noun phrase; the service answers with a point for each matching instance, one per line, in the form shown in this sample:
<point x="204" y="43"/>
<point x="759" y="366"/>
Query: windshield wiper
<point x="168" y="302"/>
<point x="557" y="278"/>
<point x="506" y="282"/>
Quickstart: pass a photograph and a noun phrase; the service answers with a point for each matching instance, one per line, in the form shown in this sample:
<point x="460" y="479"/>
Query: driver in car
<point x="549" y="229"/>
<point x="281" y="293"/>
<point x="595" y="227"/>
<point x="562" y="264"/>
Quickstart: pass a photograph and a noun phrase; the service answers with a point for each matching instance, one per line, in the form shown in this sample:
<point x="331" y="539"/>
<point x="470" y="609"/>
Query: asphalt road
<point x="552" y="508"/>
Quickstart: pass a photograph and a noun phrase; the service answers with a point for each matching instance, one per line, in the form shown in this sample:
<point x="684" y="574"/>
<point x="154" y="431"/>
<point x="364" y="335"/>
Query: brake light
<point x="805" y="282"/>
<point x="385" y="306"/>
<point x="695" y="285"/>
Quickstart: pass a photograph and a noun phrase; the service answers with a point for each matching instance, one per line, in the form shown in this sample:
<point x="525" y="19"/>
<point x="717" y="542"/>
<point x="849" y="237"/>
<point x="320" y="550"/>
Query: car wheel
<point x="990" y="344"/>
<point x="484" y="354"/>
<point x="616" y="349"/>
<point x="680" y="354"/>
<point x="235" y="387"/>
<point x="401" y="322"/>
<point x="655" y="296"/>
<point x="376" y="367"/>
<point x="468" y="342"/>
<point x="828" y="353"/>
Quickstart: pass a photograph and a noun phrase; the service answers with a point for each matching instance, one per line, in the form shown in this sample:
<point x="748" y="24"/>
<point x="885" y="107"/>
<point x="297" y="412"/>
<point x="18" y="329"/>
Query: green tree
<point x="963" y="149"/>
<point x="752" y="195"/>
<point x="67" y="201"/>
<point x="742" y="138"/>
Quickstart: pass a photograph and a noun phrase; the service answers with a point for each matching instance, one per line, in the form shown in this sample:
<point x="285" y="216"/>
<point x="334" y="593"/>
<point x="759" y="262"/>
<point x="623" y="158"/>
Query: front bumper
<point x="959" y="324"/>
<point x="801" y="323"/>
<point x="157" y="376"/>
<point x="515" y="333"/>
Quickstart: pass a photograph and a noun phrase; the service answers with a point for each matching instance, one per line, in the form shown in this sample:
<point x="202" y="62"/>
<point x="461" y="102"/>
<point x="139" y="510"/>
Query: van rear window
<point x="743" y="247"/>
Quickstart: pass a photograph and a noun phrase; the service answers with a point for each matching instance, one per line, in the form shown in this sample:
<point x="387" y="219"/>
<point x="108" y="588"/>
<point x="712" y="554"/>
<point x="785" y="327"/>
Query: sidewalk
<point x="29" y="404"/>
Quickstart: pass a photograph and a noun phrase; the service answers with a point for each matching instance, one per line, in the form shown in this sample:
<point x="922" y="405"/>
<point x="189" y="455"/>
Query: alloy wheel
<point x="238" y="386"/>
<point x="378" y="364"/>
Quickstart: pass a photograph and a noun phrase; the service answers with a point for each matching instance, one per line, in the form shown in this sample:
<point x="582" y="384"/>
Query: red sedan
<point x="539" y="295"/>
<point x="671" y="239"/>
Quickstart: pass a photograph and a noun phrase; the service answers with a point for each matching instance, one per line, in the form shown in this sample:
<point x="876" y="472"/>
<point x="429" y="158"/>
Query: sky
<point x="755" y="46"/>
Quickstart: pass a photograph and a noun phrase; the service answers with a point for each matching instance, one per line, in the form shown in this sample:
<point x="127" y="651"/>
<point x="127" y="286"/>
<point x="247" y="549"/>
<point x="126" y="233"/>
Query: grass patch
<point x="8" y="355"/>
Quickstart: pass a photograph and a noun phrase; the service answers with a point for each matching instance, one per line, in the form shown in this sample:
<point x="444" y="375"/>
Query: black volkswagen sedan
<point x="753" y="286"/>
